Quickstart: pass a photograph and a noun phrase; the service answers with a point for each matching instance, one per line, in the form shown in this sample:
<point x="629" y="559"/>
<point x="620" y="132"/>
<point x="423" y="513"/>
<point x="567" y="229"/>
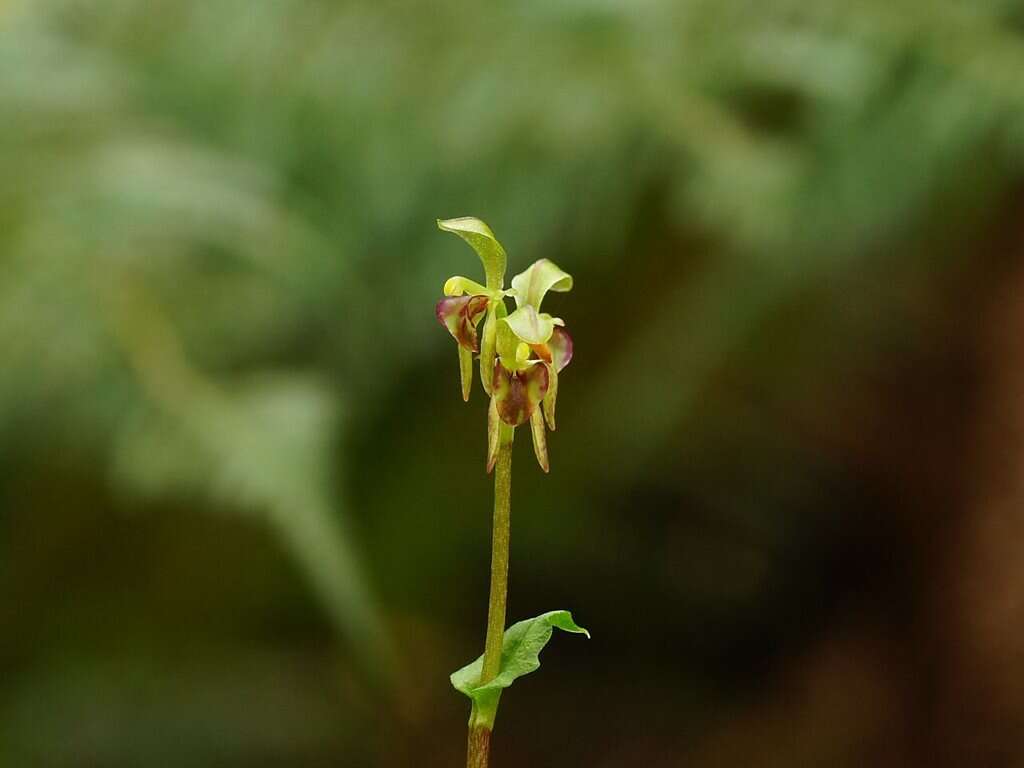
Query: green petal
<point x="531" y="326"/>
<point x="551" y="397"/>
<point x="518" y="393"/>
<point x="493" y="432"/>
<point x="495" y="312"/>
<point x="506" y="342"/>
<point x="486" y="245"/>
<point x="465" y="371"/>
<point x="536" y="280"/>
<point x="540" y="442"/>
<point x="459" y="285"/>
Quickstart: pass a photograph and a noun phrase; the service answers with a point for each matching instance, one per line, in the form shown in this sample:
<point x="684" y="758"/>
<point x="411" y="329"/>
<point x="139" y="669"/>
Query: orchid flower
<point x="522" y="353"/>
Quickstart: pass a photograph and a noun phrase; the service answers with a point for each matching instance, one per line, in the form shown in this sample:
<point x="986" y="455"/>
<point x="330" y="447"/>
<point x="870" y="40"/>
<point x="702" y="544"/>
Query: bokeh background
<point x="244" y="519"/>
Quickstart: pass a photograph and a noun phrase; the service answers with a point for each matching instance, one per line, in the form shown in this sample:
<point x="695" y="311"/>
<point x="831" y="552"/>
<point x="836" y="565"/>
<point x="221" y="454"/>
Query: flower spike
<point x="520" y="356"/>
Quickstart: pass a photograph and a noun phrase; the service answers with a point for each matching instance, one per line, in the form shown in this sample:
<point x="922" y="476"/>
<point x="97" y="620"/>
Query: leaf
<point x="535" y="281"/>
<point x="483" y="241"/>
<point x="520" y="654"/>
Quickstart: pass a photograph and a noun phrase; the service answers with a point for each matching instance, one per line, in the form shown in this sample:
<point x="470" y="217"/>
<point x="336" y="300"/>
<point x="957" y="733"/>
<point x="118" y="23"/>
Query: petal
<point x="560" y="345"/>
<point x="493" y="431"/>
<point x="465" y="371"/>
<point x="540" y="442"/>
<point x="551" y="397"/>
<point x="460" y="315"/>
<point x="486" y="245"/>
<point x="536" y="280"/>
<point x="530" y="325"/>
<point x="459" y="285"/>
<point x="518" y="393"/>
<point x="487" y="346"/>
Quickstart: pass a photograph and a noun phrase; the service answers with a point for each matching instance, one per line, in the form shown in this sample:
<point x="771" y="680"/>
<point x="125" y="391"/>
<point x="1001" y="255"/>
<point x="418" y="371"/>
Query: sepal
<point x="482" y="240"/>
<point x="461" y="315"/>
<point x="540" y="443"/>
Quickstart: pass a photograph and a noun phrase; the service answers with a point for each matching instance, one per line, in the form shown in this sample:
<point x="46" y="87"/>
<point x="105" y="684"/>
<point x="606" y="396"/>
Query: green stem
<point x="481" y="720"/>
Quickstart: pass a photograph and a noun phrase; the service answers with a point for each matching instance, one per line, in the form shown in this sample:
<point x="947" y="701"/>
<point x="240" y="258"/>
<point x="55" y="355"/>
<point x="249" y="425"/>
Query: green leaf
<point x="520" y="655"/>
<point x="542" y="276"/>
<point x="486" y="245"/>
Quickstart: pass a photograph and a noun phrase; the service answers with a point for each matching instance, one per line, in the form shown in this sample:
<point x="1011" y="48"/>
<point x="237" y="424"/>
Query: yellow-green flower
<point x="521" y="353"/>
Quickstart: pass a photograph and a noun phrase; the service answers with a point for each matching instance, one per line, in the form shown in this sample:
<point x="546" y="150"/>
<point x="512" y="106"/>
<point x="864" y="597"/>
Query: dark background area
<point x="244" y="518"/>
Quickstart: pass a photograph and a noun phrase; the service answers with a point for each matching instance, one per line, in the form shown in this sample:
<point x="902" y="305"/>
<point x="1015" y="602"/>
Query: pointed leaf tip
<point x="520" y="654"/>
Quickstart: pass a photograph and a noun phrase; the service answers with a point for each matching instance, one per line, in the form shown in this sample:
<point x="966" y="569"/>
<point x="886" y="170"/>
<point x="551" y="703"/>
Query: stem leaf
<point x="520" y="654"/>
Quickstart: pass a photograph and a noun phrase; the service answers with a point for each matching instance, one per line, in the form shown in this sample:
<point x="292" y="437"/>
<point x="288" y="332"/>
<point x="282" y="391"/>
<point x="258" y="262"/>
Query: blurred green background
<point x="244" y="519"/>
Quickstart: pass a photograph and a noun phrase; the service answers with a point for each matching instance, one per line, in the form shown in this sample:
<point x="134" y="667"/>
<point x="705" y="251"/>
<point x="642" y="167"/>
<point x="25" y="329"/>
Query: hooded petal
<point x="542" y="276"/>
<point x="530" y="325"/>
<point x="518" y="393"/>
<point x="486" y="245"/>
<point x="461" y="315"/>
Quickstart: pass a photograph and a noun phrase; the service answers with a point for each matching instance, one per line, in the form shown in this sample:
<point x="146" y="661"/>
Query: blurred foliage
<point x="219" y="263"/>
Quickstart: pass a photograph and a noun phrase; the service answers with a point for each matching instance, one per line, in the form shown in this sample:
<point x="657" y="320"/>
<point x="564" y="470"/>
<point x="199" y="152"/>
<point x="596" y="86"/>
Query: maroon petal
<point x="560" y="345"/>
<point x="518" y="393"/>
<point x="461" y="315"/>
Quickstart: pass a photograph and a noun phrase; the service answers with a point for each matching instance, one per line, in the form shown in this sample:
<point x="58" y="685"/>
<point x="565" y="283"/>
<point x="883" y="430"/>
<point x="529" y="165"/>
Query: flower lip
<point x="518" y="393"/>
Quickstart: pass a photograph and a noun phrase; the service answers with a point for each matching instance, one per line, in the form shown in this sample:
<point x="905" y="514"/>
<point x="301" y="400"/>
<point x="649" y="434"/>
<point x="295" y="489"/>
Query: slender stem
<point x="481" y="719"/>
<point x="499" y="561"/>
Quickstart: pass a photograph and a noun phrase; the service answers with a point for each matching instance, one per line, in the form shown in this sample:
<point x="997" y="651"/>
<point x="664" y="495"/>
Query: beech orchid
<point x="520" y="353"/>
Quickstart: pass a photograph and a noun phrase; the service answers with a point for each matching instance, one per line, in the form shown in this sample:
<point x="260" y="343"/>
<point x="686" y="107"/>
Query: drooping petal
<point x="465" y="371"/>
<point x="560" y="345"/>
<point x="536" y="280"/>
<point x="493" y="432"/>
<point x="551" y="397"/>
<point x="482" y="240"/>
<point x="518" y="393"/>
<point x="461" y="315"/>
<point x="488" y="345"/>
<point x="540" y="442"/>
<point x="530" y="325"/>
